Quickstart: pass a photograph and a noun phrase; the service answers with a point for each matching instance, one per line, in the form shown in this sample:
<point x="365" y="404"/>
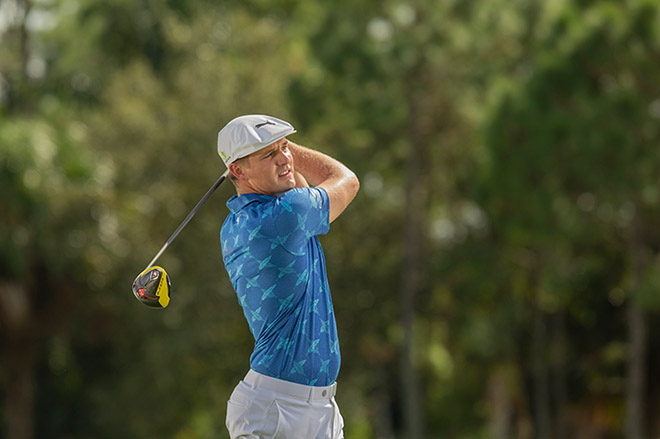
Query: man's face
<point x="268" y="171"/>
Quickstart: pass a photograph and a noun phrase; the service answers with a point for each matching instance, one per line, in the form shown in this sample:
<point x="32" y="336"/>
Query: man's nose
<point x="283" y="157"/>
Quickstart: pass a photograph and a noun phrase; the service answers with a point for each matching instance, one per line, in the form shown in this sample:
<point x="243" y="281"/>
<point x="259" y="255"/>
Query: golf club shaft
<point x="189" y="217"/>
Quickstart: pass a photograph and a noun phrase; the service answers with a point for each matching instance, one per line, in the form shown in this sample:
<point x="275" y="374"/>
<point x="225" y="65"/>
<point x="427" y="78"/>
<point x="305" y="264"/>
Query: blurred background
<point x="497" y="276"/>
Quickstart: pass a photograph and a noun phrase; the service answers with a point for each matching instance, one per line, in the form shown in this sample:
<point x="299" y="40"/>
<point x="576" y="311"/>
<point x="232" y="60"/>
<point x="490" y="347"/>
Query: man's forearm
<point x="321" y="170"/>
<point x="315" y="166"/>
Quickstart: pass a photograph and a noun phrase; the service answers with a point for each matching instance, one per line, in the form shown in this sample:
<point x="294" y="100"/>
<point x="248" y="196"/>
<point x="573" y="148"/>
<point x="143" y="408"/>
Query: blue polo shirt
<point x="274" y="259"/>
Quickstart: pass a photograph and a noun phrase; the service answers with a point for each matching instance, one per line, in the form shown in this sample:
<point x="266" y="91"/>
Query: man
<point x="274" y="259"/>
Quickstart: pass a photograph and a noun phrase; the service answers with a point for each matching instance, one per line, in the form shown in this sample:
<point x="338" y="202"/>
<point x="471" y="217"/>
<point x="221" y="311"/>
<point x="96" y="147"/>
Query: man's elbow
<point x="353" y="184"/>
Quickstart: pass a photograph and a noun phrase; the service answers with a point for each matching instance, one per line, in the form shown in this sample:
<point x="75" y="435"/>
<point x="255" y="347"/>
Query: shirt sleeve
<point x="300" y="214"/>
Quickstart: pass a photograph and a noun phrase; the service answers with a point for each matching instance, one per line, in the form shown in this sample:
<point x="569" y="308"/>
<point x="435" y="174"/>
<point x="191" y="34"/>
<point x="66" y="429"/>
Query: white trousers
<point x="264" y="407"/>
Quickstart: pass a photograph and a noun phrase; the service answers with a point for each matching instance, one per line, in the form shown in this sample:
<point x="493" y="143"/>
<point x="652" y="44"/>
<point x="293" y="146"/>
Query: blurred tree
<point x="401" y="83"/>
<point x="480" y="264"/>
<point x="58" y="239"/>
<point x="49" y="187"/>
<point x="576" y="146"/>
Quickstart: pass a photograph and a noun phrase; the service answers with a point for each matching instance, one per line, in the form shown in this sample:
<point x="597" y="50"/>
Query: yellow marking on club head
<point x="163" y="299"/>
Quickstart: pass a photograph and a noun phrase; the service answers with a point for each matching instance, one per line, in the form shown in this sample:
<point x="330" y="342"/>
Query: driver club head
<point x="152" y="287"/>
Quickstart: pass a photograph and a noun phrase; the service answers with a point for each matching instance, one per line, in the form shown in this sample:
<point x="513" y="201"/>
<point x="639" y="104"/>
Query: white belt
<point x="300" y="391"/>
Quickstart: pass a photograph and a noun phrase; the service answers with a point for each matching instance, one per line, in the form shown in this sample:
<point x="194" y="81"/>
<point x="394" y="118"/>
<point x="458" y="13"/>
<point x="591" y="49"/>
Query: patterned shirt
<point x="276" y="265"/>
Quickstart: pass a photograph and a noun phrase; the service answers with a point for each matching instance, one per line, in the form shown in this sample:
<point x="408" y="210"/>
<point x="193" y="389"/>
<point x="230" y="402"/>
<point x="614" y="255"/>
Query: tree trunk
<point x="19" y="399"/>
<point x="560" y="377"/>
<point x="501" y="402"/>
<point x="420" y="123"/>
<point x="381" y="404"/>
<point x="636" y="371"/>
<point x="542" y="415"/>
<point x="637" y="342"/>
<point x="20" y="356"/>
<point x="410" y="285"/>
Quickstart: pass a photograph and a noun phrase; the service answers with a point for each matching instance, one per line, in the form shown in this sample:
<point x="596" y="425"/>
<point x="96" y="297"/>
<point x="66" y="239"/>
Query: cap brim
<point x="251" y="149"/>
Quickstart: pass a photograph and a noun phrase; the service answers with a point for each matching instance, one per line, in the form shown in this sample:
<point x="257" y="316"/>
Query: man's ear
<point x="237" y="171"/>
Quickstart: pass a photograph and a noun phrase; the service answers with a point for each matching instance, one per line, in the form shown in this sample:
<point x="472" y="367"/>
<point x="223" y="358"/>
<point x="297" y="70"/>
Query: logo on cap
<point x="259" y="125"/>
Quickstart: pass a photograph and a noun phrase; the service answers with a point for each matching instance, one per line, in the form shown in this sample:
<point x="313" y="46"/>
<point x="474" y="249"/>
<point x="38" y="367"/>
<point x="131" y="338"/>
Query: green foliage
<point x="50" y="184"/>
<point x="538" y="125"/>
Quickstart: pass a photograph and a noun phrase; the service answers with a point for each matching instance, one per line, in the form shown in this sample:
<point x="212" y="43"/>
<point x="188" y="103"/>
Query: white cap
<point x="247" y="134"/>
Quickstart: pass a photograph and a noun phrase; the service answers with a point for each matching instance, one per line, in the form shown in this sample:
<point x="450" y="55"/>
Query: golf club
<point x="152" y="286"/>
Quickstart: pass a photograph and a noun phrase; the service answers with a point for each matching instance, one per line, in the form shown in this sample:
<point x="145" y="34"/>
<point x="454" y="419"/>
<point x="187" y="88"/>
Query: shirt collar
<point x="238" y="202"/>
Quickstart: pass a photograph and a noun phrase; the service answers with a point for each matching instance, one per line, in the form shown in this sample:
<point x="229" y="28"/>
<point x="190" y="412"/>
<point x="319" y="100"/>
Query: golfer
<point x="287" y="195"/>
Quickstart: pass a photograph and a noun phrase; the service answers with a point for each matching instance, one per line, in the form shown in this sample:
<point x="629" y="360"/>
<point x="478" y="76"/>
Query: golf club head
<point x="152" y="287"/>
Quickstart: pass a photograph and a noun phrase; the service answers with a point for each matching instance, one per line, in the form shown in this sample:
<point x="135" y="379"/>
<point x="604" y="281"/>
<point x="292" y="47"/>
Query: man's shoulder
<point x="257" y="210"/>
